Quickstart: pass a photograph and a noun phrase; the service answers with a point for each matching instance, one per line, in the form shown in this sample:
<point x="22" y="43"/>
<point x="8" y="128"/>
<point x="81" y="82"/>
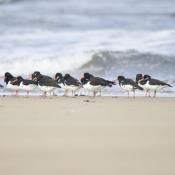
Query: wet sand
<point x="86" y="136"/>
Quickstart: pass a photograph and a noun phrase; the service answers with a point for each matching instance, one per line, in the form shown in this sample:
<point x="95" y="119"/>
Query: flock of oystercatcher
<point x="89" y="82"/>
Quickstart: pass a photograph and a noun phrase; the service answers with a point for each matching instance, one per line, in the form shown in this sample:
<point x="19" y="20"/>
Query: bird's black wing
<point x="72" y="81"/>
<point x="45" y="81"/>
<point x="46" y="76"/>
<point x="100" y="81"/>
<point x="96" y="82"/>
<point x="158" y="82"/>
<point x="27" y="82"/>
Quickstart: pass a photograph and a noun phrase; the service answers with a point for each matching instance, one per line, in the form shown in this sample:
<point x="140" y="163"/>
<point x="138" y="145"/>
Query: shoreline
<point x="166" y="94"/>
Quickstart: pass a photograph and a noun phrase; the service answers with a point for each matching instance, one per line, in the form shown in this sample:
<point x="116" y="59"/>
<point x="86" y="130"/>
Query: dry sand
<point x="85" y="136"/>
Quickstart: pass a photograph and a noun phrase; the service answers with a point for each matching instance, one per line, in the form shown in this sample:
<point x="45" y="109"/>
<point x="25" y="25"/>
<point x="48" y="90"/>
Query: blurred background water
<point x="105" y="37"/>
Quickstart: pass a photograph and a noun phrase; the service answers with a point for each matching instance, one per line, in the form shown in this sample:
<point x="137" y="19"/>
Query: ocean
<point x="106" y="38"/>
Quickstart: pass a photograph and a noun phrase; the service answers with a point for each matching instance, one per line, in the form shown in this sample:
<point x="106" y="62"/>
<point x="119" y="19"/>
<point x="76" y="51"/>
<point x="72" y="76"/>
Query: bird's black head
<point x="139" y="77"/>
<point x="8" y="74"/>
<point x="88" y="75"/>
<point x="66" y="76"/>
<point x="35" y="74"/>
<point x="58" y="76"/>
<point x="120" y="78"/>
<point x="83" y="80"/>
<point x="8" y="77"/>
<point x="147" y="77"/>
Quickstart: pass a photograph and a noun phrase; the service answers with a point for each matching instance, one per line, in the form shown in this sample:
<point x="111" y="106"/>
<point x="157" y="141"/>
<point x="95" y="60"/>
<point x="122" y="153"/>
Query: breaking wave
<point x="102" y="62"/>
<point x="130" y="62"/>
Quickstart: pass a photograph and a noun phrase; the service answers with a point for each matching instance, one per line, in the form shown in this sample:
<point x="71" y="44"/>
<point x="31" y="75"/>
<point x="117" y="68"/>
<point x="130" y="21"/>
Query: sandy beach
<point x="86" y="136"/>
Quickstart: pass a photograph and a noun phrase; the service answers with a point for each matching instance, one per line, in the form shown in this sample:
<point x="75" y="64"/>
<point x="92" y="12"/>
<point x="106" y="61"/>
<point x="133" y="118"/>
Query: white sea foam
<point x="50" y="52"/>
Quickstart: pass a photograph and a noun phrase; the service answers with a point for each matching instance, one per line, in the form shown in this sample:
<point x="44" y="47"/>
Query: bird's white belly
<point x="29" y="87"/>
<point x="46" y="88"/>
<point x="12" y="87"/>
<point x="71" y="87"/>
<point x="153" y="87"/>
<point x="127" y="87"/>
<point x="90" y="87"/>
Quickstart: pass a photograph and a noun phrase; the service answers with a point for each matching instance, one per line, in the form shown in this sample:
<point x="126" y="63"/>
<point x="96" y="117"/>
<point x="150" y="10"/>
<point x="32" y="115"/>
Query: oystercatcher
<point x="45" y="83"/>
<point x="27" y="85"/>
<point x="60" y="79"/>
<point x="71" y="83"/>
<point x="128" y="85"/>
<point x="11" y="82"/>
<point x="154" y="84"/>
<point x="142" y="83"/>
<point x="95" y="84"/>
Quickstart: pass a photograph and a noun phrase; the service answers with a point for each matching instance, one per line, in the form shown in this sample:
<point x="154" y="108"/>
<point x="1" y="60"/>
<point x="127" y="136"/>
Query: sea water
<point x="106" y="38"/>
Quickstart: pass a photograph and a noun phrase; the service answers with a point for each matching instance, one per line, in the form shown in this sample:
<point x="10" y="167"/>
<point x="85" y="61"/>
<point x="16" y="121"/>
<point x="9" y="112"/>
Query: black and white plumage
<point x="36" y="73"/>
<point x="98" y="80"/>
<point x="152" y="84"/>
<point x="45" y="83"/>
<point x="128" y="85"/>
<point x="11" y="82"/>
<point x="142" y="83"/>
<point x="95" y="84"/>
<point x="26" y="85"/>
<point x="71" y="84"/>
<point x="91" y="86"/>
<point x="60" y="80"/>
<point x="68" y="83"/>
<point x="1" y="86"/>
<point x="139" y="77"/>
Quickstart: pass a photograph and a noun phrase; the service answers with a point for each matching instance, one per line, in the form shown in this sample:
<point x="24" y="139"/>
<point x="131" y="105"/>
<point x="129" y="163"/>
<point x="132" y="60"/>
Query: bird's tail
<point x="111" y="83"/>
<point x="168" y="85"/>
